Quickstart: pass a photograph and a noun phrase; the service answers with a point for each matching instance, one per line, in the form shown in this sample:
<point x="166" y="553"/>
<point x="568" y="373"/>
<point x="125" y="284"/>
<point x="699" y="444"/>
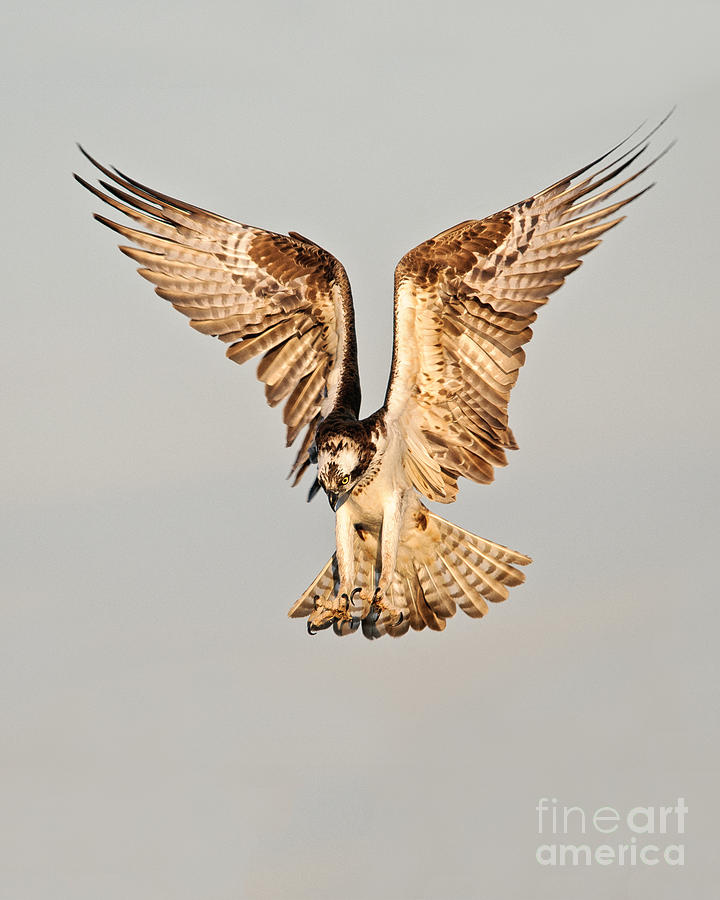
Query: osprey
<point x="464" y="304"/>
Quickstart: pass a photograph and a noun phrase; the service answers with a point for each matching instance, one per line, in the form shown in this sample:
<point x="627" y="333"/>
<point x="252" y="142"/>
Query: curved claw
<point x="351" y="623"/>
<point x="394" y="617"/>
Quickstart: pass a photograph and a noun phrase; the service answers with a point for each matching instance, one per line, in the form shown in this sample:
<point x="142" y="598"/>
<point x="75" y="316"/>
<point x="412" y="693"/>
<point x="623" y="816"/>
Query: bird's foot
<point x="329" y="611"/>
<point x="384" y="611"/>
<point x="360" y="604"/>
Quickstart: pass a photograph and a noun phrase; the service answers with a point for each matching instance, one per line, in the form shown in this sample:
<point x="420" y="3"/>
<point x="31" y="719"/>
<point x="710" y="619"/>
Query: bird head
<point x="341" y="464"/>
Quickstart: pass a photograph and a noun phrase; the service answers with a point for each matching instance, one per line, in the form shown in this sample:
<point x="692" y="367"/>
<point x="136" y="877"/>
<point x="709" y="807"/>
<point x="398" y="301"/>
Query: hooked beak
<point x="337" y="500"/>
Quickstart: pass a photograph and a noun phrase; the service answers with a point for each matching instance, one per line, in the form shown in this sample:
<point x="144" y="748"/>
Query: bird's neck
<point x="348" y="398"/>
<point x="337" y="419"/>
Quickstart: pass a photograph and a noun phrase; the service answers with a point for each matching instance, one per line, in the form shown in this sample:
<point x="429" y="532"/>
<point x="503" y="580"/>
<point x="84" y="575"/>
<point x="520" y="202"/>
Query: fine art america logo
<point x="643" y="835"/>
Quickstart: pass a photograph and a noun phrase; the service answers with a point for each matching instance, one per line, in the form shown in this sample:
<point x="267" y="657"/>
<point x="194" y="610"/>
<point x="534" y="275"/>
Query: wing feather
<point x="464" y="304"/>
<point x="280" y="297"/>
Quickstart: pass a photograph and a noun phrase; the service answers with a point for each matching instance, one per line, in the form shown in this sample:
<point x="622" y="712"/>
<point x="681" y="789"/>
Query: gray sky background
<point x="167" y="731"/>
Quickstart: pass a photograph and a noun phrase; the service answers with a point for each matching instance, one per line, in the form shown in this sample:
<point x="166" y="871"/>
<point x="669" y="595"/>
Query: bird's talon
<point x="392" y="616"/>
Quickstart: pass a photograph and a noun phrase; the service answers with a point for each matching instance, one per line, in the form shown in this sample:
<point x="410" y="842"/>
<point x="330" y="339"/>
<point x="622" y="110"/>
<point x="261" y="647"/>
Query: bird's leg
<point x="338" y="607"/>
<point x="390" y="537"/>
<point x="345" y="551"/>
<point x="357" y="599"/>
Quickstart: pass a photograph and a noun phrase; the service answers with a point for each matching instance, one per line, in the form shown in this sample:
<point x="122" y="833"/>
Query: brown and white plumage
<point x="465" y="301"/>
<point x="464" y="304"/>
<point x="280" y="297"/>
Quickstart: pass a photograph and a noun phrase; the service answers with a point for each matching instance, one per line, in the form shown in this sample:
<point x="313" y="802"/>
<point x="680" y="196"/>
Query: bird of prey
<point x="464" y="303"/>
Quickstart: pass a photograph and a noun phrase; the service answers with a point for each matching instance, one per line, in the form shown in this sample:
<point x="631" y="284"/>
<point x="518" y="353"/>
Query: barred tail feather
<point x="324" y="587"/>
<point x="474" y="570"/>
<point x="431" y="606"/>
<point x="440" y="567"/>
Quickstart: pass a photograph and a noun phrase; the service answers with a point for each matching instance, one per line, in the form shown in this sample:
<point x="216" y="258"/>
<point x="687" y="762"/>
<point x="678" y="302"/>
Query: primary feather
<point x="277" y="296"/>
<point x="464" y="304"/>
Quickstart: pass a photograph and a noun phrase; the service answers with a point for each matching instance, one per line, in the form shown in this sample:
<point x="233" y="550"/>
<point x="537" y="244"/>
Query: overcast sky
<point x="168" y="732"/>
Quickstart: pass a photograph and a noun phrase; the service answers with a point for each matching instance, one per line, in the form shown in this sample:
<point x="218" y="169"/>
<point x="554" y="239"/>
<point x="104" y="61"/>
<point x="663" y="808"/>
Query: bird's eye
<point x="345" y="480"/>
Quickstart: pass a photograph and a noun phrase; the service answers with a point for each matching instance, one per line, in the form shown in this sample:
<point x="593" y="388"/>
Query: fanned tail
<point x="440" y="567"/>
<point x="463" y="570"/>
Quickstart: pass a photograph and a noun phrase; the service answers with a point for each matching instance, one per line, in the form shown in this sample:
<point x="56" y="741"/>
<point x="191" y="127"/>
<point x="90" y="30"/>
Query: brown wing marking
<point x="280" y="297"/>
<point x="465" y="301"/>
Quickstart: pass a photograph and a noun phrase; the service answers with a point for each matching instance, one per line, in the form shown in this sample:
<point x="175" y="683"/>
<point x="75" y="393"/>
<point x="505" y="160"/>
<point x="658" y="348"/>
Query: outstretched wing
<point x="464" y="304"/>
<point x="281" y="297"/>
